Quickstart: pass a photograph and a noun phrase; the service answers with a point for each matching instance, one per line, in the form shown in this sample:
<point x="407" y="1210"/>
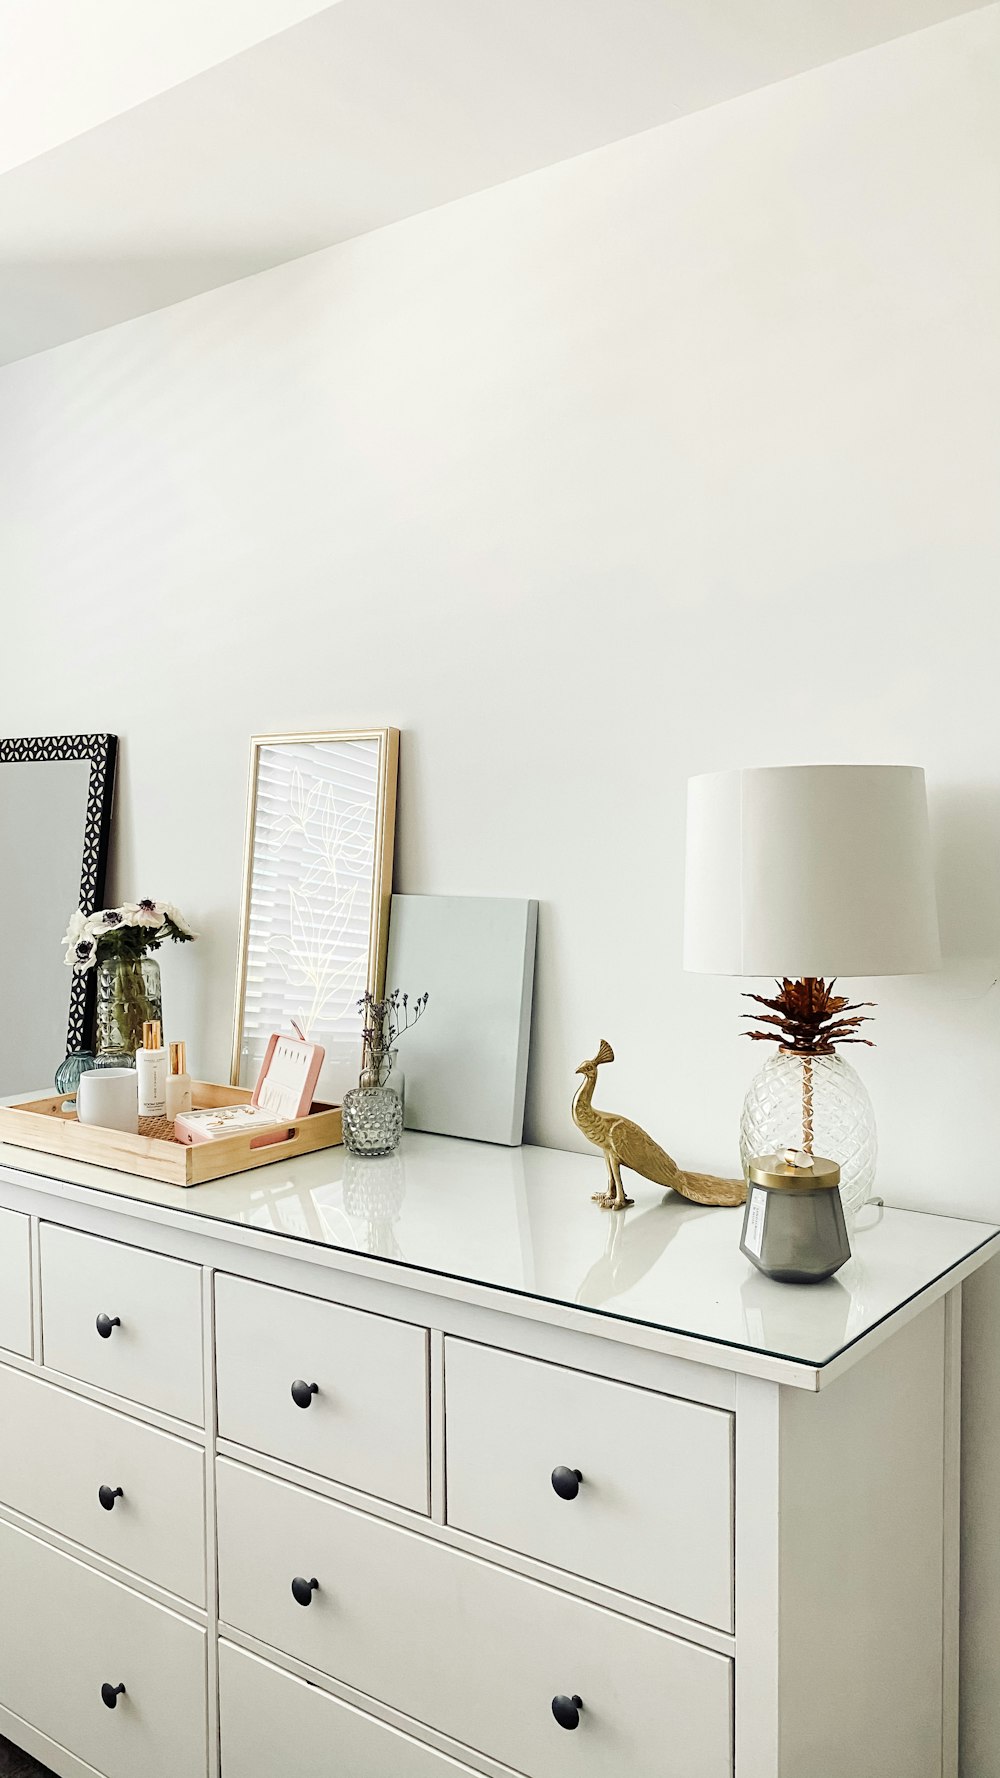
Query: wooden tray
<point x="43" y="1124"/>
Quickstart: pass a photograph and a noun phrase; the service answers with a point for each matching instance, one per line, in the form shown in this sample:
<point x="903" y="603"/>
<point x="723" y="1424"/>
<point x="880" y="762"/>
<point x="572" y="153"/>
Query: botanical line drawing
<point x="331" y="840"/>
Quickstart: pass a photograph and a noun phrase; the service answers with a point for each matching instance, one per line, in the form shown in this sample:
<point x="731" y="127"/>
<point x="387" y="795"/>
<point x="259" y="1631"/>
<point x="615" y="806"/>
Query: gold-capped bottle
<point x="178" y="1081"/>
<point x="151" y="1070"/>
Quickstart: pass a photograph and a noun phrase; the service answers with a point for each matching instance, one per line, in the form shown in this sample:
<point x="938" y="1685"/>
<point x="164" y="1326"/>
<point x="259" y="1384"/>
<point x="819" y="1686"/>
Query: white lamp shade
<point x="810" y="871"/>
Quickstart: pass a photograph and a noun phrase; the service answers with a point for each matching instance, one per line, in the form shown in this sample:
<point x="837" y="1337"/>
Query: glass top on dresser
<point x="521" y="1221"/>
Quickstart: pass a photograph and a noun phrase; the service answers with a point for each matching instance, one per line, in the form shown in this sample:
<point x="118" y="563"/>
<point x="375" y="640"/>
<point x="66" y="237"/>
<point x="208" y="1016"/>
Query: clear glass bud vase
<point x="373" y="1110"/>
<point x="373" y="1120"/>
<point x="819" y="1104"/>
<point x="128" y="993"/>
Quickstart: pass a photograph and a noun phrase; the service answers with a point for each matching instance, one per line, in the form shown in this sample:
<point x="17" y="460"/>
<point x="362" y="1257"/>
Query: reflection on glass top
<point x="522" y="1220"/>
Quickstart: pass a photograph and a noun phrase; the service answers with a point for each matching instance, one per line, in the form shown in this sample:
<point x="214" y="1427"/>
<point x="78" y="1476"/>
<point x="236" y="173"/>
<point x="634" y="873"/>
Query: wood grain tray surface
<point x="45" y="1124"/>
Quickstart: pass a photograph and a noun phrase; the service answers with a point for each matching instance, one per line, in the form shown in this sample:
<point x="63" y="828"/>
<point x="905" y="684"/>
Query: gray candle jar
<point x="793" y="1226"/>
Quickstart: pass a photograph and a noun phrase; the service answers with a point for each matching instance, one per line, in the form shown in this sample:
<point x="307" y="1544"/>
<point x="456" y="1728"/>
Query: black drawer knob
<point x="105" y="1323"/>
<point x="567" y="1711"/>
<point x="303" y="1590"/>
<point x="566" y="1483"/>
<point x="107" y="1496"/>
<point x="110" y="1695"/>
<point x="302" y="1392"/>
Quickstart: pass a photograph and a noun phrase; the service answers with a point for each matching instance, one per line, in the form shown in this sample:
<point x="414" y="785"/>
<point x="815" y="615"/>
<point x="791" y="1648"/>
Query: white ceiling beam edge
<point x="66" y="67"/>
<point x="367" y="112"/>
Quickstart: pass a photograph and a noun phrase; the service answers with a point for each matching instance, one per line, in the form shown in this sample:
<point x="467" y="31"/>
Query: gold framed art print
<point x="317" y="879"/>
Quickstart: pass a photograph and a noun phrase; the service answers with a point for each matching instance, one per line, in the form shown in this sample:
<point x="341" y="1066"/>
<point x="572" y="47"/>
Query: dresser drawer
<point x="273" y="1723"/>
<point x="154" y="1355"/>
<point x="15" y="1283"/>
<point x="474" y="1651"/>
<point x="68" y="1632"/>
<point x="366" y="1423"/>
<point x="57" y="1451"/>
<point x="653" y="1514"/>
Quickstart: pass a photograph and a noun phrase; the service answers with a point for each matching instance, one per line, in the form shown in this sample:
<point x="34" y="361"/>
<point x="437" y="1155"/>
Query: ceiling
<point x="164" y="174"/>
<point x="66" y="67"/>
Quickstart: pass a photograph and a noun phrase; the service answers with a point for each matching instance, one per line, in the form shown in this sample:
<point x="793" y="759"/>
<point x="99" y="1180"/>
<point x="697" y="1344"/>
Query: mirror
<point x="55" y="823"/>
<point x="317" y="880"/>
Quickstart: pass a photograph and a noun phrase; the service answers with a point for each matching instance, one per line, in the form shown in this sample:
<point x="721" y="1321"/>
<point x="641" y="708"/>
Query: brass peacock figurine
<point x="624" y="1144"/>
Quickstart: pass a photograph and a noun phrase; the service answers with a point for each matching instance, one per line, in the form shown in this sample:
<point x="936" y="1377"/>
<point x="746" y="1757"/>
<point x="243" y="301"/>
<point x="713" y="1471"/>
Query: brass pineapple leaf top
<point x="808" y="1018"/>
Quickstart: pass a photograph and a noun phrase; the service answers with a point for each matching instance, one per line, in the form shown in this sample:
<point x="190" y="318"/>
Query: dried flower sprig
<point x="385" y="1022"/>
<point x="808" y="1018"/>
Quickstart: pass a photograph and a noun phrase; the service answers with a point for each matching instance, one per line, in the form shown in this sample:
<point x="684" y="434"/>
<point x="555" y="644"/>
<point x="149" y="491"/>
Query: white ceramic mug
<point x="109" y="1097"/>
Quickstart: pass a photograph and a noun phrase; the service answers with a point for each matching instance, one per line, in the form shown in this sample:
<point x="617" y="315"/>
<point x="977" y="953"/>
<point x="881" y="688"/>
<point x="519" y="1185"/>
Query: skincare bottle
<point x="178" y="1081"/>
<point x="151" y="1069"/>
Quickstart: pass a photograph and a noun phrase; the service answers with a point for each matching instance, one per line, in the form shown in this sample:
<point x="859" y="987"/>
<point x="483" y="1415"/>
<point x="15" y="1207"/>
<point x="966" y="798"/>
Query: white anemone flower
<point x="83" y="954"/>
<point x="145" y="913"/>
<point x="179" y="921"/>
<point x="108" y="920"/>
<point x="78" y="925"/>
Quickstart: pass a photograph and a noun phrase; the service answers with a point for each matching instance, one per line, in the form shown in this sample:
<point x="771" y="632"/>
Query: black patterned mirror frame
<point x="102" y="752"/>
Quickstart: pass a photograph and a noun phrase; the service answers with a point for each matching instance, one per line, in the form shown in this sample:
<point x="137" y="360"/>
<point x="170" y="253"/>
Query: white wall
<point x="681" y="455"/>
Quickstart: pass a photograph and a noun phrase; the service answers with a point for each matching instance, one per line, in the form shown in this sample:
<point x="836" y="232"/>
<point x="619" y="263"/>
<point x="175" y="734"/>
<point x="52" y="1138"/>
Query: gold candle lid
<point x="152" y="1036"/>
<point x="793" y="1170"/>
<point x="178" y="1058"/>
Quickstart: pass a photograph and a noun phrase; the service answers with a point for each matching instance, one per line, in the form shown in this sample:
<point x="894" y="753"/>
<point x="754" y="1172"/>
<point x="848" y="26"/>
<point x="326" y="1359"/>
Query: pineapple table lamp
<point x="806" y="874"/>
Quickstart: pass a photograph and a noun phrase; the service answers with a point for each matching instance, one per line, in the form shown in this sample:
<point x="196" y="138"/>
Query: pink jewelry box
<point x="285" y="1088"/>
<point x="288" y="1075"/>
<point x="207" y="1124"/>
<point x="287" y="1081"/>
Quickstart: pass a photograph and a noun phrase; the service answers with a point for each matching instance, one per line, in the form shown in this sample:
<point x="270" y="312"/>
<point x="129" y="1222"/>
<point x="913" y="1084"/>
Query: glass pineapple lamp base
<point x="793" y="1091"/>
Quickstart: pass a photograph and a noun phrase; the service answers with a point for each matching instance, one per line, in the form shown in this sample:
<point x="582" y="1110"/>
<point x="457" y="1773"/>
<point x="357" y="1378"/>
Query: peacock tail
<point x="705" y="1188"/>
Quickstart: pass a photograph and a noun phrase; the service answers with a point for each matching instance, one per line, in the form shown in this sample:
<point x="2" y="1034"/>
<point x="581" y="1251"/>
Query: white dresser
<point x="425" y="1467"/>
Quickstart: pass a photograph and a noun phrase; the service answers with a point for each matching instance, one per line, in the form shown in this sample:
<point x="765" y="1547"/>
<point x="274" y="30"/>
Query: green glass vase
<point x="128" y="993"/>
